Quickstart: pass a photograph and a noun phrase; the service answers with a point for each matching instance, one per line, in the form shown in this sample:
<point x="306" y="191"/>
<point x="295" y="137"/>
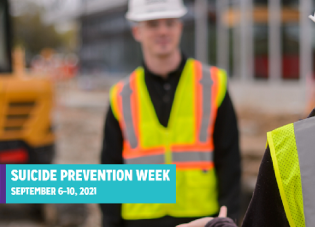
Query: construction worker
<point x="172" y="110"/>
<point x="284" y="193"/>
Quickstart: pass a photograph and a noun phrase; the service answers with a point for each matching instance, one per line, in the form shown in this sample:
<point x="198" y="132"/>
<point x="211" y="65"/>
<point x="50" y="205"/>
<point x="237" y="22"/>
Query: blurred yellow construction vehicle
<point x="26" y="135"/>
<point x="26" y="101"/>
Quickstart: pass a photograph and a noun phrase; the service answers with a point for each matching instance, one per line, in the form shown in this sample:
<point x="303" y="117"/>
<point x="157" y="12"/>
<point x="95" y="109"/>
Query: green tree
<point x="30" y="32"/>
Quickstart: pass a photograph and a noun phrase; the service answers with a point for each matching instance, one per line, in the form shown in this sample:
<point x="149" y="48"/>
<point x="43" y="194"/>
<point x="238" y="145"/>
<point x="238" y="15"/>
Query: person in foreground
<point x="284" y="194"/>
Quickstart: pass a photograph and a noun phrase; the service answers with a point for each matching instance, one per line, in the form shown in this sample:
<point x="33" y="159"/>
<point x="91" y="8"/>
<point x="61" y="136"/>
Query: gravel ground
<point x="79" y="121"/>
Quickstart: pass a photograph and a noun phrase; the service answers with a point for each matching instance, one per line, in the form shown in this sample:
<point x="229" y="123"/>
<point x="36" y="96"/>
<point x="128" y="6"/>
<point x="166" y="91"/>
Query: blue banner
<point x="87" y="183"/>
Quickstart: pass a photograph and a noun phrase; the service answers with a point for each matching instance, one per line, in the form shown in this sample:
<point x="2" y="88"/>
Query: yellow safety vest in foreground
<point x="292" y="150"/>
<point x="187" y="141"/>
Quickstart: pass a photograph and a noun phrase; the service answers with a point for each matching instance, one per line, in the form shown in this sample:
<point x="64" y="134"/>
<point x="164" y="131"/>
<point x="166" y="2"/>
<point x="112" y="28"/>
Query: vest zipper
<point x="168" y="152"/>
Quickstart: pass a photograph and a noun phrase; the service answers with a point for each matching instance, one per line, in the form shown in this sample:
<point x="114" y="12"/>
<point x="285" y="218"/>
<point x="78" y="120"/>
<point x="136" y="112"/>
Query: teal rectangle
<point x="121" y="190"/>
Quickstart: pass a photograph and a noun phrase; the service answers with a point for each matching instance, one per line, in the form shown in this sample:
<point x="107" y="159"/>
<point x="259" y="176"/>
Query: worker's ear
<point x="136" y="32"/>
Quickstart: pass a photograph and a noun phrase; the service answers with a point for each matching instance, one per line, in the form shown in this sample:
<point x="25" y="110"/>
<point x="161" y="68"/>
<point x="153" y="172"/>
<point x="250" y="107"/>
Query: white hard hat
<point x="143" y="10"/>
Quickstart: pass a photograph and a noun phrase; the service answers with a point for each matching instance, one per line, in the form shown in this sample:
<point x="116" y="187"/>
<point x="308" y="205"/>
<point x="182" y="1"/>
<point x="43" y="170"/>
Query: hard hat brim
<point x="156" y="15"/>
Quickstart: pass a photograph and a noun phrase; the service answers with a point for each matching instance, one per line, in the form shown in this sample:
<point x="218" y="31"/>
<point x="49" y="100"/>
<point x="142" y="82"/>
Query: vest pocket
<point x="202" y="192"/>
<point x="200" y="178"/>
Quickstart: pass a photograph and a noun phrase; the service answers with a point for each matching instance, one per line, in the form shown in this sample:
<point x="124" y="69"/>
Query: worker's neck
<point x="163" y="65"/>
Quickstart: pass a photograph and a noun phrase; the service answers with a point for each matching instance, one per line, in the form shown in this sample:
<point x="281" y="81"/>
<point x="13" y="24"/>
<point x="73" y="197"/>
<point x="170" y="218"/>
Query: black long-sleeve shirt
<point x="226" y="152"/>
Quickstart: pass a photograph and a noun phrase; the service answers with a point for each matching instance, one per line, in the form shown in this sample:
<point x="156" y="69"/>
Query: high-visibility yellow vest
<point x="292" y="150"/>
<point x="187" y="141"/>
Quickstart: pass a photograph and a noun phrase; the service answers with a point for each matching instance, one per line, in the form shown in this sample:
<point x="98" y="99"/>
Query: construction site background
<point x="81" y="105"/>
<point x="265" y="46"/>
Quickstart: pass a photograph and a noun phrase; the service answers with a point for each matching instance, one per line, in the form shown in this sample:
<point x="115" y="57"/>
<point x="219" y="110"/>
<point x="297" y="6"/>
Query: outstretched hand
<point x="203" y="221"/>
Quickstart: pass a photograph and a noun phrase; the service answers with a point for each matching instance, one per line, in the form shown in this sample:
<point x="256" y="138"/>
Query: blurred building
<point x="106" y="41"/>
<point x="251" y="39"/>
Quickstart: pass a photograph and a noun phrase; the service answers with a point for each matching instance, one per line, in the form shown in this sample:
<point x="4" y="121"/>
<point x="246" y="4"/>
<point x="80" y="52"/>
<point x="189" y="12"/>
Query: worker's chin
<point x="163" y="53"/>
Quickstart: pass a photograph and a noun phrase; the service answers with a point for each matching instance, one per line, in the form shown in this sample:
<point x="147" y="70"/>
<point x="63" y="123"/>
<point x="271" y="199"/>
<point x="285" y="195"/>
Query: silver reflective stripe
<point x="126" y="108"/>
<point x="192" y="156"/>
<point x="206" y="83"/>
<point x="305" y="141"/>
<point x="152" y="159"/>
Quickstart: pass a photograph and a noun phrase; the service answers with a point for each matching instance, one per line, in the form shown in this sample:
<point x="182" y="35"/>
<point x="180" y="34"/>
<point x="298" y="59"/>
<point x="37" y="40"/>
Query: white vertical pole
<point x="222" y="35"/>
<point x="236" y="40"/>
<point x="201" y="30"/>
<point x="274" y="8"/>
<point x="246" y="45"/>
<point x="305" y="40"/>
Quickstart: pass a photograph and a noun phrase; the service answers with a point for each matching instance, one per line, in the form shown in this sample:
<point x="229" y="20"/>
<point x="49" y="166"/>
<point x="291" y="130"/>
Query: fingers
<point x="223" y="212"/>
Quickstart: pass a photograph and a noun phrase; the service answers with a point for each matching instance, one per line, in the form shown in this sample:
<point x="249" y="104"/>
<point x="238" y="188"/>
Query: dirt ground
<point x="79" y="119"/>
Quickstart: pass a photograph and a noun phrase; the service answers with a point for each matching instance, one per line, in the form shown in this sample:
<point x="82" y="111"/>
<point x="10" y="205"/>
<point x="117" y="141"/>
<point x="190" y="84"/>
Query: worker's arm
<point x="112" y="154"/>
<point x="227" y="157"/>
<point x="265" y="208"/>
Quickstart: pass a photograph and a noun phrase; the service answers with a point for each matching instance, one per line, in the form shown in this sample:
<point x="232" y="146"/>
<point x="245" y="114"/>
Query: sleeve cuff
<point x="221" y="222"/>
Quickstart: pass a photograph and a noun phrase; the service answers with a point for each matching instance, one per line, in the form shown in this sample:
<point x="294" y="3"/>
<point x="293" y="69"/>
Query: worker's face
<point x="159" y="37"/>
